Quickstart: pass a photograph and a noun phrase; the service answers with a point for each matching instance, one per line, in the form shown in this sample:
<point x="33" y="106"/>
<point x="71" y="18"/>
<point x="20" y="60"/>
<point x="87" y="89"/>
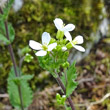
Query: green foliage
<point x="71" y="76"/>
<point x="53" y="62"/>
<point x="47" y="63"/>
<point x="60" y="99"/>
<point x="3" y="17"/>
<point x="13" y="83"/>
<point x="3" y="37"/>
<point x="71" y="84"/>
<point x="25" y="50"/>
<point x="106" y="103"/>
<point x="7" y="9"/>
<point x="63" y="78"/>
<point x="60" y="34"/>
<point x="2" y="28"/>
<point x="11" y="32"/>
<point x="28" y="58"/>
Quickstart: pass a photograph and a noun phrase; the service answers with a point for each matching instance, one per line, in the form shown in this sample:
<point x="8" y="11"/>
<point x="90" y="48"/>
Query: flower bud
<point x="69" y="45"/>
<point x="60" y="34"/>
<point x="52" y="40"/>
<point x="64" y="48"/>
<point x="65" y="65"/>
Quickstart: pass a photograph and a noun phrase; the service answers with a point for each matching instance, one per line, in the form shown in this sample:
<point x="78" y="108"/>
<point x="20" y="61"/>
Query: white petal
<point x="35" y="45"/>
<point x="52" y="46"/>
<point x="80" y="48"/>
<point x="41" y="53"/>
<point x="69" y="27"/>
<point x="78" y="39"/>
<point x="45" y="38"/>
<point x="64" y="48"/>
<point x="58" y="23"/>
<point x="68" y="36"/>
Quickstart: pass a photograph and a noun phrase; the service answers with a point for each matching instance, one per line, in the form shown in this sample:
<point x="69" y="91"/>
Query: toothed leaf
<point x="25" y="90"/>
<point x="71" y="77"/>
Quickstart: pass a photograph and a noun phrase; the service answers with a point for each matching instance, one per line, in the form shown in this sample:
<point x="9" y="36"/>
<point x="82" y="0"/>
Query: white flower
<point x="44" y="47"/>
<point x="64" y="96"/>
<point x="60" y="26"/>
<point x="2" y="3"/>
<point x="64" y="48"/>
<point x="77" y="40"/>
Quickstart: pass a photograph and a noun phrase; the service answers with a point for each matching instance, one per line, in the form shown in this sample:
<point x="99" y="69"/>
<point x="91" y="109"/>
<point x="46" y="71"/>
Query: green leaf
<point x="71" y="76"/>
<point x="2" y="17"/>
<point x="7" y="9"/>
<point x="2" y="28"/>
<point x="68" y="108"/>
<point x="4" y="39"/>
<point x="63" y="79"/>
<point x="11" y="32"/>
<point x="26" y="77"/>
<point x="60" y="34"/>
<point x="25" y="50"/>
<point x="25" y="90"/>
<point x="3" y="33"/>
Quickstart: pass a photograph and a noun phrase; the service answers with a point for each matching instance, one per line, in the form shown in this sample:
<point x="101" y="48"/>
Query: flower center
<point x="45" y="47"/>
<point x="63" y="25"/>
<point x="74" y="42"/>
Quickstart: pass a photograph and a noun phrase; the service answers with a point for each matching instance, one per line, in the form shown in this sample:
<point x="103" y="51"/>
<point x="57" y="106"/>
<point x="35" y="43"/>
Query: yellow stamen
<point x="45" y="47"/>
<point x="74" y="42"/>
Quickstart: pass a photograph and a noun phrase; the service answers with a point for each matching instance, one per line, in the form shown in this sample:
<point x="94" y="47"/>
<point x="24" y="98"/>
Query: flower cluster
<point x="46" y="46"/>
<point x="70" y="27"/>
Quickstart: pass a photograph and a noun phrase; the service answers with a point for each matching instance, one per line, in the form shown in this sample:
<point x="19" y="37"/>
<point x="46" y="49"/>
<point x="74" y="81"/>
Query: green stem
<point x="13" y="60"/>
<point x="64" y="90"/>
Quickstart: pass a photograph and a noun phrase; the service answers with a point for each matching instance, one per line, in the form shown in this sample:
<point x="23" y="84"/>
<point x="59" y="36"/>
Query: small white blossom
<point x="60" y="26"/>
<point x="77" y="40"/>
<point x="64" y="96"/>
<point x="2" y="3"/>
<point x="64" y="48"/>
<point x="44" y="47"/>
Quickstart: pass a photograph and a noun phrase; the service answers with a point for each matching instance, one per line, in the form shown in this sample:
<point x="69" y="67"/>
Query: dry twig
<point x="98" y="102"/>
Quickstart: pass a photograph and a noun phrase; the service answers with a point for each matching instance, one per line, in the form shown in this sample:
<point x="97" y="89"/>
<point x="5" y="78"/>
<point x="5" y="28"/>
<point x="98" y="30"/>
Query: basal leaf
<point x="11" y="32"/>
<point x="2" y="17"/>
<point x="25" y="90"/>
<point x="3" y="32"/>
<point x="4" y="39"/>
<point x="27" y="77"/>
<point x="7" y="9"/>
<point x="2" y="28"/>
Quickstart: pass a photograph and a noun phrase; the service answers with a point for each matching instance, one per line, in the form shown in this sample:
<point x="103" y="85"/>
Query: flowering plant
<point x="52" y="55"/>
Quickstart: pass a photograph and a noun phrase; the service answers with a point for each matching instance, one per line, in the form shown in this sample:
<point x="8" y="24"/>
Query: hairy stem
<point x="64" y="90"/>
<point x="13" y="60"/>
